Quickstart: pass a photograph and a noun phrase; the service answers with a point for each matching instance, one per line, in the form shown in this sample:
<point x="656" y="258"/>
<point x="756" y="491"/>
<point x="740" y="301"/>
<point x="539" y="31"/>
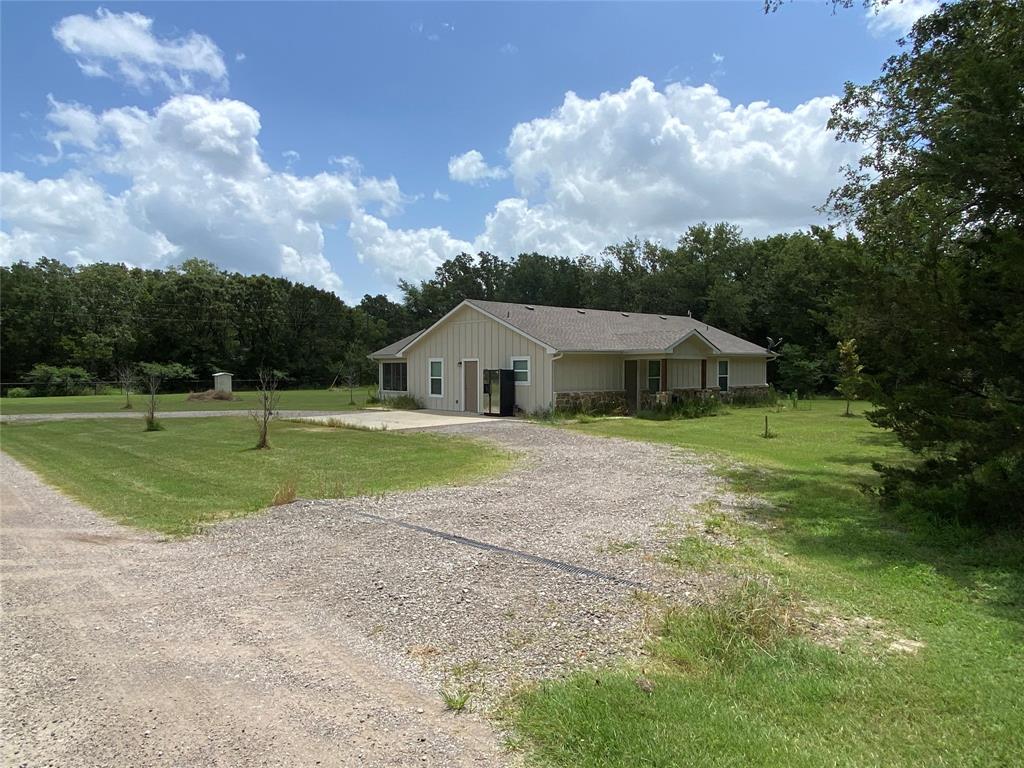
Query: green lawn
<point x="291" y="399"/>
<point x="198" y="471"/>
<point x="735" y="685"/>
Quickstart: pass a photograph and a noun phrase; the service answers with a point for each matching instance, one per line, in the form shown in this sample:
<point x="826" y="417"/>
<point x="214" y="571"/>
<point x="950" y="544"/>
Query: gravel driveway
<point x="322" y="630"/>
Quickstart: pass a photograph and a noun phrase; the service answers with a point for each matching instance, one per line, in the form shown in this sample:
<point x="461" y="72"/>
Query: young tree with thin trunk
<point x="851" y="372"/>
<point x="352" y="381"/>
<point x="267" y="399"/>
<point x="126" y="377"/>
<point x="152" y="376"/>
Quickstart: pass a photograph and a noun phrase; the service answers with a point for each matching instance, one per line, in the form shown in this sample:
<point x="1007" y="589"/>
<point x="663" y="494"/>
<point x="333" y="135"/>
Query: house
<point x="567" y="357"/>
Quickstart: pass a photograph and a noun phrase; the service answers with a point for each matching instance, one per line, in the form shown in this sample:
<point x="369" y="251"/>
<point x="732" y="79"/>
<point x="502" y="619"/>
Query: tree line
<point x="100" y="317"/>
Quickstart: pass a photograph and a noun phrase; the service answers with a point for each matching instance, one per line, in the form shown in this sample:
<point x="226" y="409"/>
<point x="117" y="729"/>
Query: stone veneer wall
<point x="605" y="402"/>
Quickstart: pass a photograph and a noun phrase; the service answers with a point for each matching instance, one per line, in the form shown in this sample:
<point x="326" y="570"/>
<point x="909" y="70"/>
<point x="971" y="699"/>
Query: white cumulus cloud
<point x="72" y="219"/>
<point x="409" y="254"/>
<point x="195" y="185"/>
<point x="649" y="163"/>
<point x="471" y="168"/>
<point x="71" y="124"/>
<point x="897" y="16"/>
<point x="123" y="45"/>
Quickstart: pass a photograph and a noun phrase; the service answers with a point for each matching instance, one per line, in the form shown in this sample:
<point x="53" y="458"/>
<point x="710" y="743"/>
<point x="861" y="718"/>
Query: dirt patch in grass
<point x="872" y="635"/>
<point x="210" y="395"/>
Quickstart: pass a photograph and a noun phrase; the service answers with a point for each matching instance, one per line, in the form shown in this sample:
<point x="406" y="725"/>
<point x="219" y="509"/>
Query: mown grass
<point x="198" y="471"/>
<point x="745" y="698"/>
<point x="291" y="399"/>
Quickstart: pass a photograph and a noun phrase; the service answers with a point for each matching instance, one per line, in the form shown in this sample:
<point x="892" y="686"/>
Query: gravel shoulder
<point x="322" y="630"/>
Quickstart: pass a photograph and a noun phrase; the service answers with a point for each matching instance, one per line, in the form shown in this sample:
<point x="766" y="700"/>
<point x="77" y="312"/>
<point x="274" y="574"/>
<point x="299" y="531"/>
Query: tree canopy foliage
<point x="101" y="316"/>
<point x="938" y="306"/>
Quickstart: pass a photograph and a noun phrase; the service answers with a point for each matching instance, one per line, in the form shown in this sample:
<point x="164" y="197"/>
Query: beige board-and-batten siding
<point x="683" y="374"/>
<point x="743" y="372"/>
<point x="469" y="334"/>
<point x="604" y="373"/>
<point x="587" y="373"/>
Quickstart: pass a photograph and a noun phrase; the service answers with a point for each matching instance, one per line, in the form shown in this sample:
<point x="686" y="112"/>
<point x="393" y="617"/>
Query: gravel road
<point x="321" y="631"/>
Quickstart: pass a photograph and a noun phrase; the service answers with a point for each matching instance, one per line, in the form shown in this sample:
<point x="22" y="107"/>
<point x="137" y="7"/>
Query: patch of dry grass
<point x="208" y="396"/>
<point x="286" y="492"/>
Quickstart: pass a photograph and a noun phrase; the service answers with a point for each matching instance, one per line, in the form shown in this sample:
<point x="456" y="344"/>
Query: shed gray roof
<point x="568" y="329"/>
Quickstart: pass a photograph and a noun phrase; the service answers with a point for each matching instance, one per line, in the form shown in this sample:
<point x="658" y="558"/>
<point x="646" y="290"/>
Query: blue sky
<point x="328" y="141"/>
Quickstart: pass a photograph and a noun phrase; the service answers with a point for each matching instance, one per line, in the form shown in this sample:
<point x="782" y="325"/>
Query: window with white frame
<point x="654" y="375"/>
<point x="521" y="368"/>
<point x="436" y="377"/>
<point x="393" y="377"/>
<point x="723" y="375"/>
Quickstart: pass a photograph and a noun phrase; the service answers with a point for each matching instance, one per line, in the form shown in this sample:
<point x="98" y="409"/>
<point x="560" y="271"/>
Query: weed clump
<point x="455" y="699"/>
<point x="752" y="618"/>
<point x="402" y="403"/>
<point x="286" y="493"/>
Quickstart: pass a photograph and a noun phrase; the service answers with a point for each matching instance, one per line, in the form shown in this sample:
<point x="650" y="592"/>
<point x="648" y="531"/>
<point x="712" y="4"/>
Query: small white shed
<point x="222" y="382"/>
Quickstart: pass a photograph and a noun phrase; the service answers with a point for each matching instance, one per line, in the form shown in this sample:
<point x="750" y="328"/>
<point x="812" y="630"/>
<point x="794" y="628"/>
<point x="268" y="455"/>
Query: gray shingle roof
<point x="568" y="329"/>
<point x="392" y="349"/>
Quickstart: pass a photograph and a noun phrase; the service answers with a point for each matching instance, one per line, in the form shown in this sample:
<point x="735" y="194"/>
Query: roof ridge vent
<point x="624" y="314"/>
<point x="529" y="307"/>
<point x="663" y="317"/>
<point x="582" y="311"/>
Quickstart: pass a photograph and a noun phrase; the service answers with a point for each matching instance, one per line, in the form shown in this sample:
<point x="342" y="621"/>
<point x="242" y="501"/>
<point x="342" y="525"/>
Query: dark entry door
<point x="631" y="391"/>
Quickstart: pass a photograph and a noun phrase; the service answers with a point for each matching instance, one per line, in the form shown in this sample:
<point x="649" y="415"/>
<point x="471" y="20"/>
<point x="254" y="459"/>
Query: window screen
<point x="654" y="375"/>
<point x="521" y="366"/>
<point x="393" y="378"/>
<point x="436" y="378"/>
